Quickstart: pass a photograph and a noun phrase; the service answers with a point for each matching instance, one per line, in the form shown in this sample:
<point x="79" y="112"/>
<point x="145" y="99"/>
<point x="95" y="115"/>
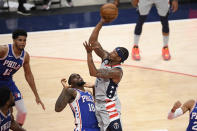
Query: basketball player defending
<point x="12" y="57"/>
<point x="144" y="7"/>
<point x="108" y="77"/>
<point x="6" y="118"/>
<point x="81" y="103"/>
<point x="178" y="109"/>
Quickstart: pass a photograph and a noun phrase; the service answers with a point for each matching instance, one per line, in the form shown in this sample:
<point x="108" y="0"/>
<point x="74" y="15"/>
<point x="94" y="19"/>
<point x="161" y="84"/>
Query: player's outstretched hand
<point x="64" y="83"/>
<point x="174" y="5"/>
<point x="88" y="47"/>
<point x="89" y="85"/>
<point x="134" y="3"/>
<point x="38" y="101"/>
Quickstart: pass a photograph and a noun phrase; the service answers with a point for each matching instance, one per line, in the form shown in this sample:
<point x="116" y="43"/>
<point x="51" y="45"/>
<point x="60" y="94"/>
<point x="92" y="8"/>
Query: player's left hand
<point x="88" y="47"/>
<point x="174" y="5"/>
<point x="38" y="101"/>
<point x="89" y="85"/>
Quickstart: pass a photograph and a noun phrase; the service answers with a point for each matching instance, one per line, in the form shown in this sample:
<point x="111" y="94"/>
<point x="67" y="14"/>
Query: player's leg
<point x="144" y="7"/>
<point x="21" y="111"/>
<point x="163" y="11"/>
<point x="19" y="104"/>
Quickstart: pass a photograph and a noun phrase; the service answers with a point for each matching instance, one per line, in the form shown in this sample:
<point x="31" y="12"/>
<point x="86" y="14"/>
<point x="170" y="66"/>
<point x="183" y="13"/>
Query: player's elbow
<point x="58" y="109"/>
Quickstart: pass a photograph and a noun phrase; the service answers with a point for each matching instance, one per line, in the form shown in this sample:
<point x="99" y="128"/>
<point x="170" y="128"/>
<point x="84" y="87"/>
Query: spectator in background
<point x="47" y="4"/>
<point x="21" y="9"/>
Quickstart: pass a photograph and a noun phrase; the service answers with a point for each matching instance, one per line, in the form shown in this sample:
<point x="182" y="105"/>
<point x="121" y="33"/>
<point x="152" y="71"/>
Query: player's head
<point x="6" y="97"/>
<point x="75" y="80"/>
<point x="19" y="37"/>
<point x="119" y="54"/>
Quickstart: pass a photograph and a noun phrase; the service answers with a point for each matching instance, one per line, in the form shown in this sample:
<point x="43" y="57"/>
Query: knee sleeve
<point x="165" y="24"/>
<point x="140" y="22"/>
<point x="21" y="111"/>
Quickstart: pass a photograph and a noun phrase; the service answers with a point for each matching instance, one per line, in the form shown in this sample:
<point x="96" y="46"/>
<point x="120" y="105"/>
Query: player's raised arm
<point x="94" y="40"/>
<point x="67" y="96"/>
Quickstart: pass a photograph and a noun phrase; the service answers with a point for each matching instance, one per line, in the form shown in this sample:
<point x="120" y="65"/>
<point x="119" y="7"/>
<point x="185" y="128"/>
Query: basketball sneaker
<point x="166" y="53"/>
<point x="135" y="53"/>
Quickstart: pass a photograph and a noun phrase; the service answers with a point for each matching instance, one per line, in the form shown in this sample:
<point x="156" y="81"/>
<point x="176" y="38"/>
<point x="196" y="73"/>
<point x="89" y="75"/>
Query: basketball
<point x="109" y="12"/>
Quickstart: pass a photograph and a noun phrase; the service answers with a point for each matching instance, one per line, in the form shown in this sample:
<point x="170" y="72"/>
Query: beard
<point x="81" y="83"/>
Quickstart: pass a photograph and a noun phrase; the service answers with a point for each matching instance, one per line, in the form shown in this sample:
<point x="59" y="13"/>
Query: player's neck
<point x="80" y="88"/>
<point x="16" y="51"/>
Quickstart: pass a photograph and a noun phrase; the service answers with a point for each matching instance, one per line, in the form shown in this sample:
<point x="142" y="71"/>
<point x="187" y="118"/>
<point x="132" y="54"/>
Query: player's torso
<point x="193" y="120"/>
<point x="106" y="88"/>
<point x="5" y="121"/>
<point x="83" y="108"/>
<point x="10" y="64"/>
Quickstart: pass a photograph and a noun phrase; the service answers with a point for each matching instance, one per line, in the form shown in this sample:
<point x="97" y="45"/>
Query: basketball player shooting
<point x="108" y="76"/>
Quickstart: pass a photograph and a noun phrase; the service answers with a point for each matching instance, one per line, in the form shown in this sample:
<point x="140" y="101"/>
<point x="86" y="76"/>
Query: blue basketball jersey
<point x="5" y="121"/>
<point x="10" y="64"/>
<point x="83" y="109"/>
<point x="193" y="120"/>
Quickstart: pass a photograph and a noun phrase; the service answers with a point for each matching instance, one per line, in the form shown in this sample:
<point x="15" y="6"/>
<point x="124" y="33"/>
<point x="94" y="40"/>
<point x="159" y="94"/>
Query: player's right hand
<point x="134" y="3"/>
<point x="64" y="83"/>
<point x="176" y="106"/>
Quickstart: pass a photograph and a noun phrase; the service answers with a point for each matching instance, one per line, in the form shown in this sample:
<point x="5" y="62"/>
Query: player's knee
<point x="21" y="116"/>
<point x="165" y="24"/>
<point x="140" y="22"/>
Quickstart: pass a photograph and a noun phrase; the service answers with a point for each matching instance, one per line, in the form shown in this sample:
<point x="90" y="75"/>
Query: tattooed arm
<point x="67" y="96"/>
<point x="115" y="74"/>
<point x="94" y="41"/>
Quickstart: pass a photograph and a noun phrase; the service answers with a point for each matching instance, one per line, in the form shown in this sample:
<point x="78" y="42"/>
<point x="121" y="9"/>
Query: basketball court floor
<point x="147" y="91"/>
<point x="148" y="88"/>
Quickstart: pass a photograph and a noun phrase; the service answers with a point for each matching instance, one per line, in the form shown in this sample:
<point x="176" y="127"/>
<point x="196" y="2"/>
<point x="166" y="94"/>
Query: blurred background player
<point x="81" y="103"/>
<point x="178" y="109"/>
<point x="12" y="57"/>
<point x="144" y="7"/>
<point x="6" y="118"/>
<point x="107" y="103"/>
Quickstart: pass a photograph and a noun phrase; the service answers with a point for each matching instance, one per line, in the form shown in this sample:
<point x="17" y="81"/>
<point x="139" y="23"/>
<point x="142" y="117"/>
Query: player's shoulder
<point x="3" y="50"/>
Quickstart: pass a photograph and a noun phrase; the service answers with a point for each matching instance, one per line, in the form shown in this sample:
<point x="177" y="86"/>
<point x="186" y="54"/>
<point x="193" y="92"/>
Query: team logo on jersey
<point x="116" y="125"/>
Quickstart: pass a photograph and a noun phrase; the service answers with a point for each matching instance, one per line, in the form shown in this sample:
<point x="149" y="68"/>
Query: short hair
<point x="69" y="79"/>
<point x="4" y="95"/>
<point x="18" y="32"/>
<point x="123" y="53"/>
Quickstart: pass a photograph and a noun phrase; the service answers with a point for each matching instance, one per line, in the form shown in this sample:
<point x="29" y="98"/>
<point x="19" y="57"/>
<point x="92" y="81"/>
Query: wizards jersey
<point x="5" y="121"/>
<point x="106" y="88"/>
<point x="10" y="64"/>
<point x="83" y="109"/>
<point x="106" y="96"/>
<point x="193" y="120"/>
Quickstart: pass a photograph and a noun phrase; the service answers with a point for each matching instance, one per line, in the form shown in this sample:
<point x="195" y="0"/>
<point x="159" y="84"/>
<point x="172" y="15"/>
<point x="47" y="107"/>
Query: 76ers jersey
<point x="5" y="121"/>
<point x="83" y="108"/>
<point x="193" y="120"/>
<point x="10" y="64"/>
